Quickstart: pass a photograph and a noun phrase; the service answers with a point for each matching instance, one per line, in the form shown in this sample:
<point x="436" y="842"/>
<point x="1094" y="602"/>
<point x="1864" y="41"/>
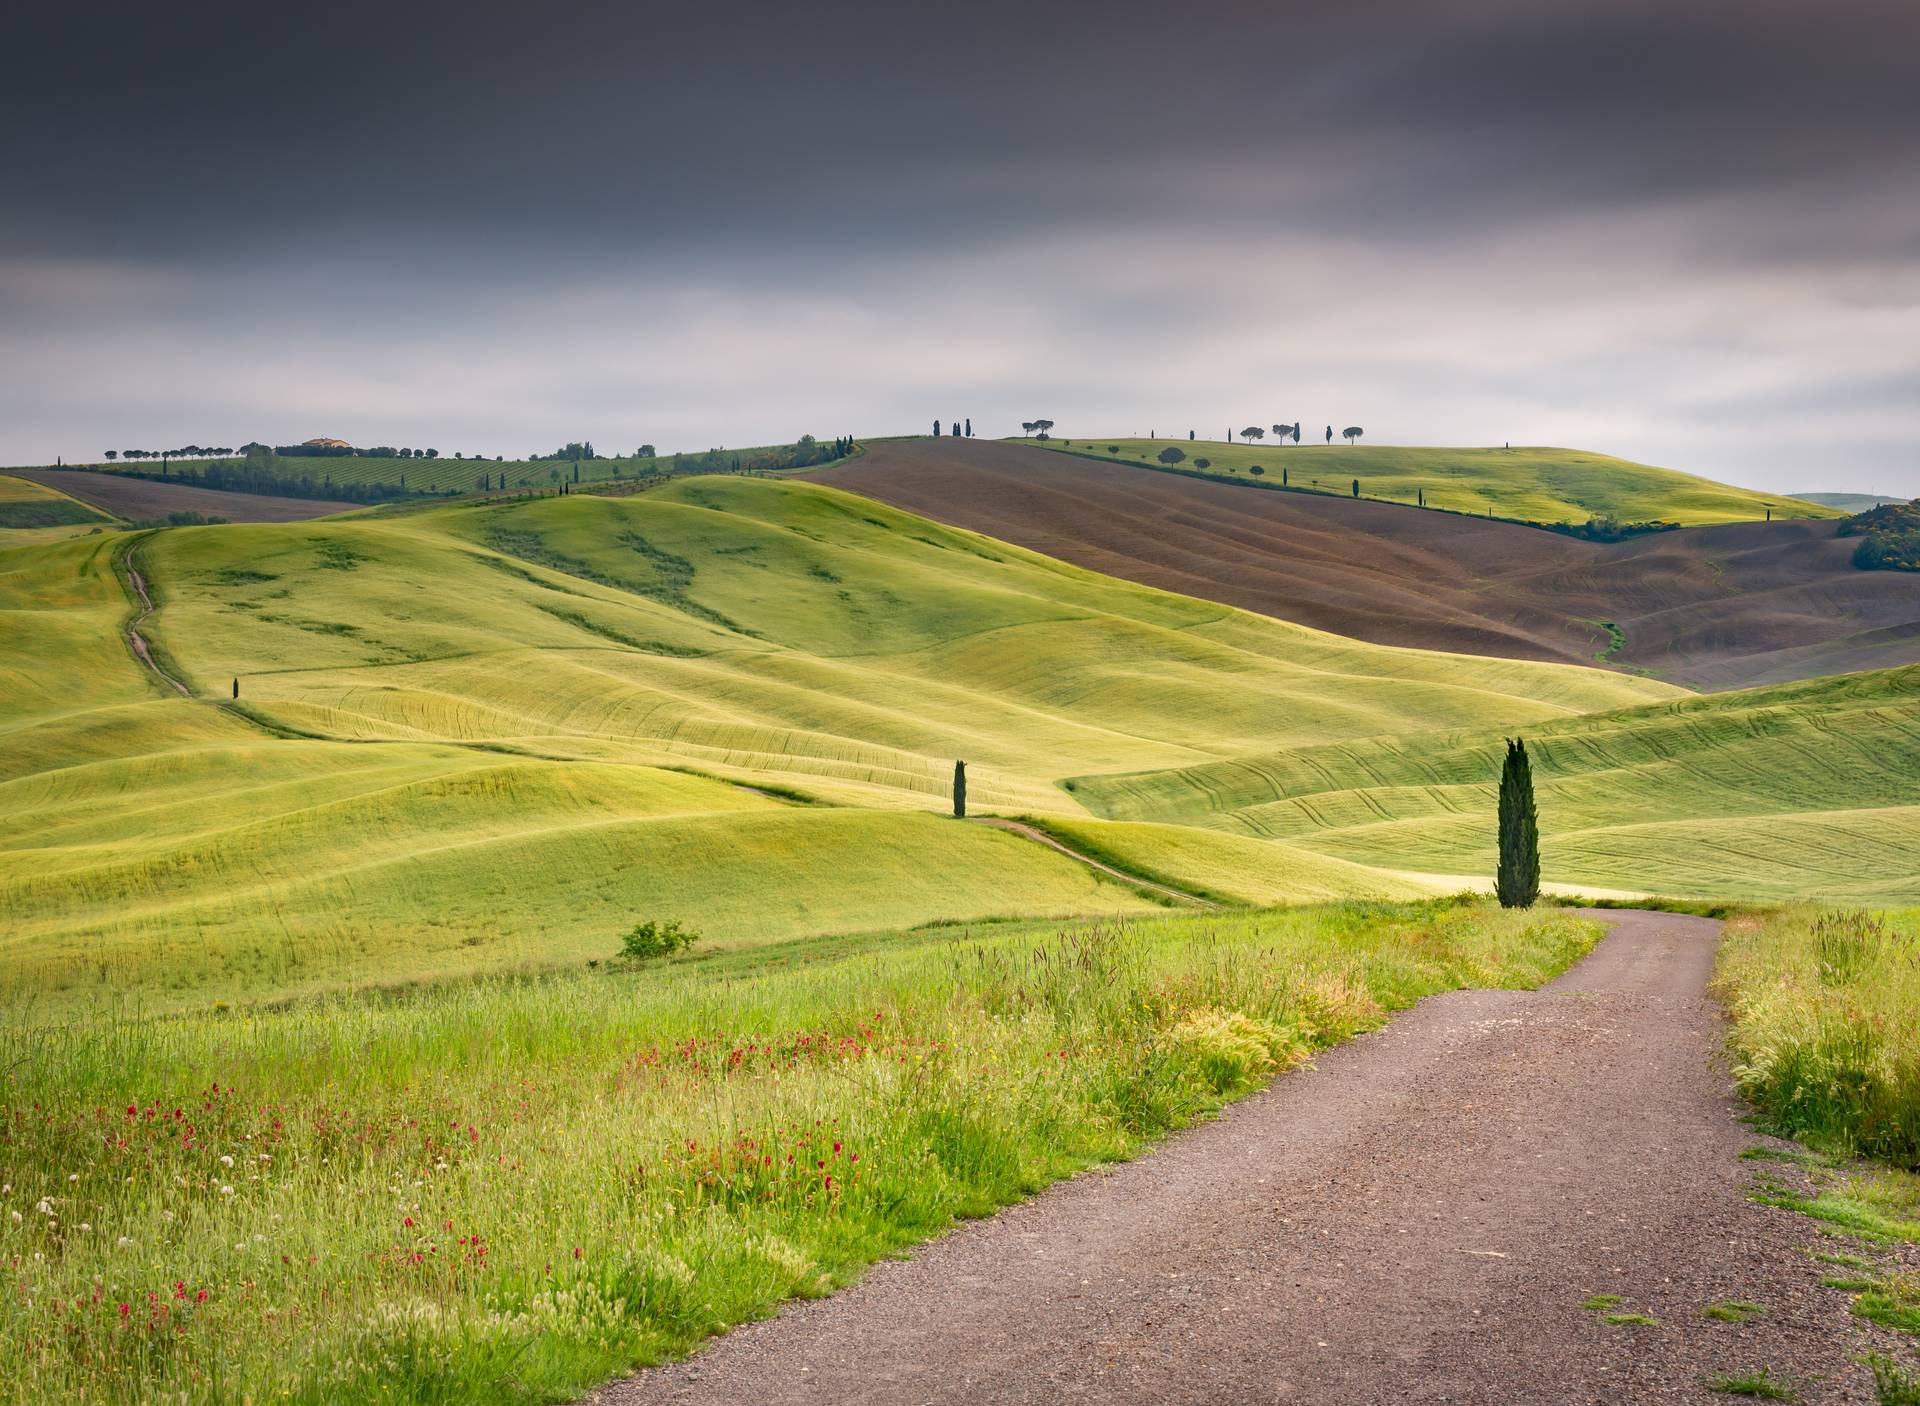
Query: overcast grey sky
<point x="1684" y="232"/>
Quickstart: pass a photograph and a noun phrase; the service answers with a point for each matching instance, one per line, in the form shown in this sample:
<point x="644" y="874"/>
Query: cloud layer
<point x="1685" y="233"/>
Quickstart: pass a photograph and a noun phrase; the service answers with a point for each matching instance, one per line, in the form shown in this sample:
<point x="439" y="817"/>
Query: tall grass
<point x="514" y="1190"/>
<point x="1825" y="1007"/>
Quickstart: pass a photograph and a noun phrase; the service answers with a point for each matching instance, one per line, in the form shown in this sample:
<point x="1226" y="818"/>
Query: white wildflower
<point x="226" y="1191"/>
<point x="226" y="1159"/>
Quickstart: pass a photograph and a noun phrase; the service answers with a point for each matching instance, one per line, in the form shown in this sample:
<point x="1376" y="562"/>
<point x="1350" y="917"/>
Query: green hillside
<point x="340" y="475"/>
<point x="1808" y="789"/>
<point x="464" y="735"/>
<point x="1848" y="502"/>
<point x="1525" y="484"/>
<point x="32" y="514"/>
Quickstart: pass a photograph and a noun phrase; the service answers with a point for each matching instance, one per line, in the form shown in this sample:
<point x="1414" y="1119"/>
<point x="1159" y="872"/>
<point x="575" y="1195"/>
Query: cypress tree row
<point x="1518" y="882"/>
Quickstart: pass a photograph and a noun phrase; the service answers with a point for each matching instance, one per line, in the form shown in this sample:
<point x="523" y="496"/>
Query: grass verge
<point x="513" y="1190"/>
<point x="1824" y="1038"/>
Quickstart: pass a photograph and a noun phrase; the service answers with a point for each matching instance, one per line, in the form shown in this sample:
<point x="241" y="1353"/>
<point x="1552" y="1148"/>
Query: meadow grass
<point x="1822" y="1005"/>
<point x="1524" y="484"/>
<point x="510" y="1190"/>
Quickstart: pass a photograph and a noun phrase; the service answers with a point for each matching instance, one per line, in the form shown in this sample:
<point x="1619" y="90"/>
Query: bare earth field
<point x="1710" y="607"/>
<point x="1421" y="1218"/>
<point x="139" y="499"/>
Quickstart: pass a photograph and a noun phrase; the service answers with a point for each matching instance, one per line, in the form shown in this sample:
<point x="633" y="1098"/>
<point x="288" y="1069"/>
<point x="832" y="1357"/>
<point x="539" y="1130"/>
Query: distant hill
<point x="1727" y="606"/>
<point x="1848" y="502"/>
<point x="1522" y="484"/>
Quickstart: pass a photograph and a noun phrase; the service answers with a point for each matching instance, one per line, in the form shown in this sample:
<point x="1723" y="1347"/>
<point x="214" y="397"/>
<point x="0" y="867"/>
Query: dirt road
<point x="1420" y="1218"/>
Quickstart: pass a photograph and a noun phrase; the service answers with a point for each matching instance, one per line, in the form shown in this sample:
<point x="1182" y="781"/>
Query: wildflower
<point x="45" y="1207"/>
<point x="226" y="1159"/>
<point x="200" y="1297"/>
<point x="226" y="1191"/>
<point x="73" y="1176"/>
<point x="124" y="1241"/>
<point x="408" y="1222"/>
<point x="125" y="1310"/>
<point x="576" y="1252"/>
<point x="85" y="1226"/>
<point x="16" y="1217"/>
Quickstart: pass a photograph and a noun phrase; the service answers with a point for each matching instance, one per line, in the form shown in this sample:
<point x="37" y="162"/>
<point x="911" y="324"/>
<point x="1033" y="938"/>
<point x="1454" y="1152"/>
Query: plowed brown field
<point x="1709" y="607"/>
<point x="141" y="498"/>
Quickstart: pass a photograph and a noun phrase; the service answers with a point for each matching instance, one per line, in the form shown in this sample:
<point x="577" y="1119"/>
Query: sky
<point x="1683" y="231"/>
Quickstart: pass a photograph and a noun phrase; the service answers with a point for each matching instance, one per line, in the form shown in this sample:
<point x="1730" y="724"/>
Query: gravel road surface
<point x="1419" y="1218"/>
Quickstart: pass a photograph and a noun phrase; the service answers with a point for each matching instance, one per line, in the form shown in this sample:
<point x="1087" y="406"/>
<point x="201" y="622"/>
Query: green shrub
<point x="657" y="939"/>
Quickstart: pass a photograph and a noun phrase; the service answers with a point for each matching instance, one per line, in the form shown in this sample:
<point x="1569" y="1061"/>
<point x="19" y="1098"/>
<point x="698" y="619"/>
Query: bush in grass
<point x="657" y="939"/>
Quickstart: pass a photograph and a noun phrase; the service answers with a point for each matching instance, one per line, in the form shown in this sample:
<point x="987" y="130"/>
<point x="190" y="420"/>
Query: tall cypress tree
<point x="1518" y="882"/>
<point x="960" y="790"/>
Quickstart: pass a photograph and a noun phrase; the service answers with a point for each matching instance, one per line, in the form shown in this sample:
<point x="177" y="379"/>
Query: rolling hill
<point x="32" y="513"/>
<point x="494" y="735"/>
<point x="1848" y="502"/>
<point x="1712" y="607"/>
<point x="1525" y="484"/>
<point x="1809" y="789"/>
<point x="141" y="499"/>
<point x="491" y="736"/>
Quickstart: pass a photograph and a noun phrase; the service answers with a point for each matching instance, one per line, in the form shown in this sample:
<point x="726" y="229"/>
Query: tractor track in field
<point x="144" y="607"/>
<point x="1039" y="836"/>
<point x="1422" y="1217"/>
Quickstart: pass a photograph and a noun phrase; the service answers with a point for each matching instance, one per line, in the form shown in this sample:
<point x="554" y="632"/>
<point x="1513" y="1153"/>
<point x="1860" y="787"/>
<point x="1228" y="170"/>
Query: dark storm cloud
<point x="1395" y="190"/>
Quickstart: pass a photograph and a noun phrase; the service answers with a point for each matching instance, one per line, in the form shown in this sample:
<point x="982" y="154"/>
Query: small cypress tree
<point x="960" y="790"/>
<point x="1518" y="882"/>
<point x="1356" y="488"/>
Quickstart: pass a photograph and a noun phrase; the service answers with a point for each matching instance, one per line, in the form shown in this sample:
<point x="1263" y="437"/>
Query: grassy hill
<point x="492" y="736"/>
<point x="464" y="735"/>
<point x="338" y="476"/>
<point x="1798" y="790"/>
<point x="32" y="513"/>
<point x="1848" y="502"/>
<point x="1729" y="606"/>
<point x="1523" y="484"/>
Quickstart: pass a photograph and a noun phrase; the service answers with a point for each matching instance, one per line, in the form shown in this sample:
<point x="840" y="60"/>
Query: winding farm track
<point x="136" y="641"/>
<point x="1039" y="836"/>
<point x="1419" y="1218"/>
<point x="1708" y="607"/>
